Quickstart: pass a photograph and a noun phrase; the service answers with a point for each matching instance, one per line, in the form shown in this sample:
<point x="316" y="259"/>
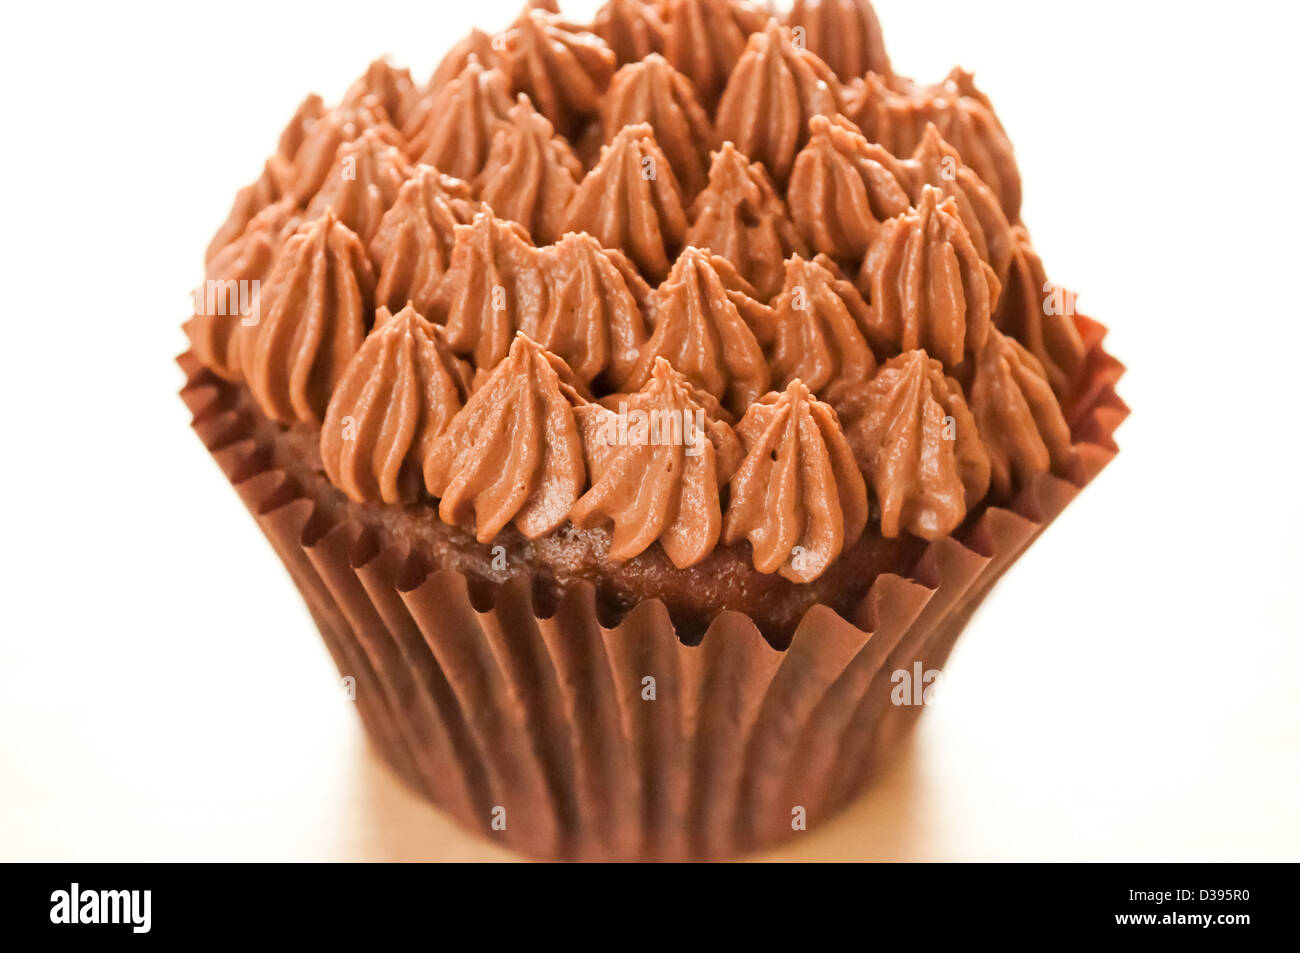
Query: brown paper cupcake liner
<point x="538" y="732"/>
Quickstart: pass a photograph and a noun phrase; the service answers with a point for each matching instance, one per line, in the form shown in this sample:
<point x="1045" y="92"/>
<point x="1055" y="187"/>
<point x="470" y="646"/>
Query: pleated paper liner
<point x="536" y="731"/>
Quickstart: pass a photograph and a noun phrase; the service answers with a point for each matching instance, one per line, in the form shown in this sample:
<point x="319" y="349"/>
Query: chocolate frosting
<point x="792" y="251"/>
<point x="295" y="133"/>
<point x="1030" y="310"/>
<point x="774" y="90"/>
<point x="1019" y="419"/>
<point x="493" y="287"/>
<point x="798" y="496"/>
<point x="701" y="332"/>
<point x="275" y="182"/>
<point x="705" y="39"/>
<point x="396" y="397"/>
<point x="631" y="28"/>
<point x="592" y="319"/>
<point x="512" y="453"/>
<point x="820" y="325"/>
<point x="363" y="183"/>
<point x="531" y="174"/>
<point x="917" y="443"/>
<point x="412" y="246"/>
<point x="844" y="33"/>
<point x="631" y="201"/>
<point x="314" y="312"/>
<point x="843" y="188"/>
<point x="306" y="150"/>
<point x="896" y="119"/>
<point x="935" y="162"/>
<point x="248" y="258"/>
<point x="658" y="475"/>
<point x="452" y="129"/>
<point x="269" y="227"/>
<point x="475" y="45"/>
<point x="321" y="140"/>
<point x="563" y="68"/>
<point x="389" y="85"/>
<point x="651" y="91"/>
<point x="759" y="316"/>
<point x="740" y="217"/>
<point x="929" y="287"/>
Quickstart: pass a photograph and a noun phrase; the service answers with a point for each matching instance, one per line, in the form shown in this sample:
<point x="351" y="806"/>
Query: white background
<point x="1129" y="690"/>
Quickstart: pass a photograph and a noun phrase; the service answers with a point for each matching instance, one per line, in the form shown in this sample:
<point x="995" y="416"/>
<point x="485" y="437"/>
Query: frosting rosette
<point x="774" y="90"/>
<point x="798" y="496"/>
<point x="741" y="218"/>
<point x="452" y="128"/>
<point x="312" y="315"/>
<point x="652" y="92"/>
<point x="412" y="247"/>
<point x="919" y="448"/>
<point x="846" y="34"/>
<point x="512" y="454"/>
<point x="700" y="331"/>
<point x="395" y="398"/>
<point x="631" y="201"/>
<point x="493" y="287"/>
<point x="658" y="460"/>
<point x="531" y="174"/>
<point x="929" y="287"/>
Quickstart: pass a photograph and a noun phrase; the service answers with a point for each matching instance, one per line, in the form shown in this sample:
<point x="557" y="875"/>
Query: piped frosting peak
<point x="772" y="93"/>
<point x="633" y="29"/>
<point x="232" y="276"/>
<point x="563" y="68"/>
<point x="929" y="287"/>
<point x="591" y="319"/>
<point x="705" y="39"/>
<point x="657" y="460"/>
<point x="741" y="218"/>
<point x="313" y="314"/>
<point x="652" y="92"/>
<point x="702" y="333"/>
<point x="390" y="85"/>
<point x="820" y="325"/>
<point x="844" y="188"/>
<point x="275" y="182"/>
<point x="896" y="118"/>
<point x="452" y="129"/>
<point x="512" y="454"/>
<point x="531" y="174"/>
<point x="798" y="496"/>
<point x="845" y="33"/>
<point x="1041" y="316"/>
<point x="493" y="287"/>
<point x="363" y="183"/>
<point x="917" y="443"/>
<point x="936" y="163"/>
<point x="476" y="45"/>
<point x="396" y="397"/>
<point x="412" y="246"/>
<point x="631" y="201"/>
<point x="322" y="138"/>
<point x="1018" y="416"/>
<point x="295" y="132"/>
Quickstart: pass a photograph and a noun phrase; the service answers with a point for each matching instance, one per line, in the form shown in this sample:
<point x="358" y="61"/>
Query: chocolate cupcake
<point x="632" y="402"/>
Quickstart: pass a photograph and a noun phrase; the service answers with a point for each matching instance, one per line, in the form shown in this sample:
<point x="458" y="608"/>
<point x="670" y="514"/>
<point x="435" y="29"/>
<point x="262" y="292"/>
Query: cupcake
<point x="633" y="401"/>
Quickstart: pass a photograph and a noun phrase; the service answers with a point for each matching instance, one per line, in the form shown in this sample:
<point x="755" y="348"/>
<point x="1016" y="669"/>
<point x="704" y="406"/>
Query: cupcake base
<point x="561" y="737"/>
